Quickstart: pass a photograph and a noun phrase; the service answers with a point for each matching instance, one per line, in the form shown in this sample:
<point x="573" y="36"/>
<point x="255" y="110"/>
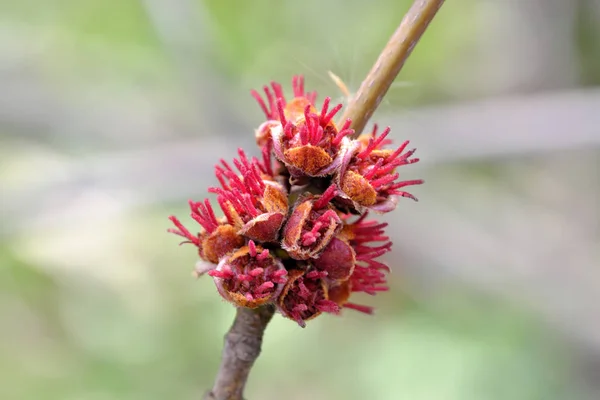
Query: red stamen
<point x="183" y="231"/>
<point x="360" y="308"/>
<point x="378" y="183"/>
<point x="256" y="272"/>
<point x="263" y="255"/>
<point x="311" y="236"/>
<point x="271" y="100"/>
<point x="264" y="286"/>
<point x="204" y="215"/>
<point x="400" y="149"/>
<point x="289" y="130"/>
<point x="225" y="208"/>
<point x="324" y="108"/>
<point x="277" y="89"/>
<point x="328" y="306"/>
<point x="344" y="131"/>
<point x="405" y="194"/>
<point x="223" y="274"/>
<point x="252" y="248"/>
<point x="373" y="143"/>
<point x="261" y="103"/>
<point x="374" y="131"/>
<point x="280" y="106"/>
<point x="374" y="169"/>
<point x="298" y="85"/>
<point x="327" y="119"/>
<point x="315" y="274"/>
<point x="267" y="166"/>
<point x="325" y="198"/>
<point x="406" y="183"/>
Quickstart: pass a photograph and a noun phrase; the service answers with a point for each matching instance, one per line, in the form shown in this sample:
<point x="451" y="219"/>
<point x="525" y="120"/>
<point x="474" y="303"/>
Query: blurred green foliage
<point x="144" y="329"/>
<point x="123" y="319"/>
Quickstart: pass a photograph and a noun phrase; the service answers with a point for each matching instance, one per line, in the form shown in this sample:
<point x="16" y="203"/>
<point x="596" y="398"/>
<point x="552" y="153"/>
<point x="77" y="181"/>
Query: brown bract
<point x="309" y="159"/>
<point x="358" y="189"/>
<point x="220" y="242"/>
<point x="265" y="227"/>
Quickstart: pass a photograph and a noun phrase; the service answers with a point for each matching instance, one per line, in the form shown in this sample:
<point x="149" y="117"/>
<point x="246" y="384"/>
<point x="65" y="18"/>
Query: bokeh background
<point x="113" y="112"/>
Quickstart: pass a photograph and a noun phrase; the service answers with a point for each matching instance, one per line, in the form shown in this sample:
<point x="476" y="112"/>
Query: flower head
<point x="251" y="203"/>
<point x="306" y="140"/>
<point x="216" y="240"/>
<point x="250" y="276"/>
<point x="288" y="235"/>
<point x="311" y="225"/>
<point x="368" y="174"/>
<point x="311" y="144"/>
<point x="305" y="296"/>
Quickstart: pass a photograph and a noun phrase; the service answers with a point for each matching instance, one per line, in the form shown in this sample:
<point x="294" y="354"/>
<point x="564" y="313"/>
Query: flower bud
<point x="265" y="227"/>
<point x="257" y="207"/>
<point x="217" y="239"/>
<point x="249" y="277"/>
<point x="304" y="296"/>
<point x="312" y="258"/>
<point x="274" y="93"/>
<point x="311" y="226"/>
<point x="337" y="259"/>
<point x="218" y="243"/>
<point x="367" y="175"/>
<point x="310" y="144"/>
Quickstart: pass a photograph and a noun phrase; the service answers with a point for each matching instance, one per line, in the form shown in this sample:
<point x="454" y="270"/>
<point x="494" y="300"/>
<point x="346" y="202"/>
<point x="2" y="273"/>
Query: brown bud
<point x="337" y="260"/>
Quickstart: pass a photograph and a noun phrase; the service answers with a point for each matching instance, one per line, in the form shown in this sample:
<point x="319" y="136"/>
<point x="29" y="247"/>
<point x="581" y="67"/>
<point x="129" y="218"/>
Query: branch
<point x="390" y="62"/>
<point x="242" y="347"/>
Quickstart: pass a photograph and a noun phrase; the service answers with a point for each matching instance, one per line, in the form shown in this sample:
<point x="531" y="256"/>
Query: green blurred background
<point x="112" y="114"/>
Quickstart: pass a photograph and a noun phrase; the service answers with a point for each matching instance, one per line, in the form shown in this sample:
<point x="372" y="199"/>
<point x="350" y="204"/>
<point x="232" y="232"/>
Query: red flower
<point x="308" y="142"/>
<point x="311" y="225"/>
<point x="311" y="145"/>
<point x="254" y="205"/>
<point x="250" y="277"/>
<point x="276" y="100"/>
<point x="310" y="259"/>
<point x="305" y="296"/>
<point x="368" y="177"/>
<point x="217" y="239"/>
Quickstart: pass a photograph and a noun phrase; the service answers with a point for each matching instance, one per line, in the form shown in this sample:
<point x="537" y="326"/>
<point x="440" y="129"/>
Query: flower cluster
<point x="294" y="231"/>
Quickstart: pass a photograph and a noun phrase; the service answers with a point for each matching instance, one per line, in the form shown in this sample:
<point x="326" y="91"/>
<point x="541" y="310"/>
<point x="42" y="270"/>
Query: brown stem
<point x="389" y="63"/>
<point x="244" y="339"/>
<point x="242" y="347"/>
